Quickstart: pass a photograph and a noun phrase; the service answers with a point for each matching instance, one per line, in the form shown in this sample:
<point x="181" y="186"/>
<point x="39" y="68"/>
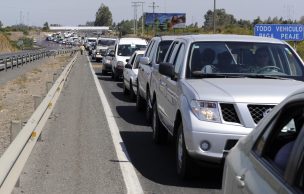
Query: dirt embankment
<point x="5" y="45"/>
<point x="16" y="96"/>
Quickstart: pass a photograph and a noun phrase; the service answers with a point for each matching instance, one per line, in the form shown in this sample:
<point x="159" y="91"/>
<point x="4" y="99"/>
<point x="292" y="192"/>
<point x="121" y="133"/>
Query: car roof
<point x="132" y="40"/>
<point x="104" y="38"/>
<point x="231" y="38"/>
<point x="162" y="38"/>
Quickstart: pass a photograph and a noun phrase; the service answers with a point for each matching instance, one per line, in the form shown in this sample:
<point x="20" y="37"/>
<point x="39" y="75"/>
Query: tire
<point x="116" y="76"/>
<point x="148" y="108"/>
<point x="140" y="102"/>
<point x="112" y="75"/>
<point x="183" y="160"/>
<point x="125" y="90"/>
<point x="159" y="133"/>
<point x="132" y="93"/>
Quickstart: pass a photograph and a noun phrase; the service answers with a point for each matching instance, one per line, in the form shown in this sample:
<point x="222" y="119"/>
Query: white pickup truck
<point x="155" y="54"/>
<point x="212" y="90"/>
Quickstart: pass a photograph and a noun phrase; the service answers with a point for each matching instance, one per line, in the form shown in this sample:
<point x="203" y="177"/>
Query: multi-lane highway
<point x="77" y="153"/>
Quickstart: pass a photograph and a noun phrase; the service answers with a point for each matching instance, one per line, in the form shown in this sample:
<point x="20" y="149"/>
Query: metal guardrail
<point x="15" y="156"/>
<point x="11" y="60"/>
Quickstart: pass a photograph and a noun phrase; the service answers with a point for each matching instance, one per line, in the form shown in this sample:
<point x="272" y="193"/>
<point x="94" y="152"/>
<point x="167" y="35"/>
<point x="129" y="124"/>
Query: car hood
<point x="244" y="90"/>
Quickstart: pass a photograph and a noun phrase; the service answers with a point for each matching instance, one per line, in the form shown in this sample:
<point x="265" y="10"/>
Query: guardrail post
<point x="17" y="59"/>
<point x="16" y="127"/>
<point x="5" y="65"/>
<point x="12" y="62"/>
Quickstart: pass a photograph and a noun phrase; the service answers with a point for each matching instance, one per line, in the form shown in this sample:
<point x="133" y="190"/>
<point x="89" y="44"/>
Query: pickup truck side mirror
<point x="128" y="66"/>
<point x="144" y="60"/>
<point x="166" y="69"/>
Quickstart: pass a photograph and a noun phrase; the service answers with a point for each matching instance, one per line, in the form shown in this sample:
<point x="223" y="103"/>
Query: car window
<point x="136" y="62"/>
<point x="179" y="59"/>
<point x="132" y="59"/>
<point x="162" y="50"/>
<point x="171" y="50"/>
<point x="244" y="58"/>
<point x="149" y="48"/>
<point x="276" y="143"/>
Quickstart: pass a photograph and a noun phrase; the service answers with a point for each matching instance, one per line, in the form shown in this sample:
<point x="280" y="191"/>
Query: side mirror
<point x="128" y="66"/>
<point x="144" y="60"/>
<point x="112" y="54"/>
<point x="166" y="69"/>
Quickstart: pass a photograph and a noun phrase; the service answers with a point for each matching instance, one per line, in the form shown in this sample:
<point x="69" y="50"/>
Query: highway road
<point x="77" y="153"/>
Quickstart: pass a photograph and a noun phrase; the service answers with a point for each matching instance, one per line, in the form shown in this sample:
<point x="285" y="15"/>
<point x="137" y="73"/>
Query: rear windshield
<point x="242" y="58"/>
<point x="106" y="42"/>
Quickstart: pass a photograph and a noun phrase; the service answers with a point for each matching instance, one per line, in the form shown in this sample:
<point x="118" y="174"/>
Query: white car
<point x="124" y="48"/>
<point x="130" y="74"/>
<point x="271" y="158"/>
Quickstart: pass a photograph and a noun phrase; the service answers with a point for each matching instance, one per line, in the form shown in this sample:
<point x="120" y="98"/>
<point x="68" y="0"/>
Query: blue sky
<point x="74" y="12"/>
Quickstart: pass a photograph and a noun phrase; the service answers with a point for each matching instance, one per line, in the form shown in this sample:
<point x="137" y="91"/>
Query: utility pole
<point x="214" y="8"/>
<point x="153" y="7"/>
<point x="136" y="4"/>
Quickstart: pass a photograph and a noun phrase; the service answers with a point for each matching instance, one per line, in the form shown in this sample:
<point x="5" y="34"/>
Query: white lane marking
<point x="128" y="172"/>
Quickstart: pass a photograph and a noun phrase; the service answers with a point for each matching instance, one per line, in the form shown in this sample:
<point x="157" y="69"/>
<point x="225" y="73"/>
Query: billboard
<point x="166" y="21"/>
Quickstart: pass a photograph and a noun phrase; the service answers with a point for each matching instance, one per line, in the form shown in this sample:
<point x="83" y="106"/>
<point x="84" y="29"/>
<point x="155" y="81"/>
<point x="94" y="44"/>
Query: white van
<point x="124" y="48"/>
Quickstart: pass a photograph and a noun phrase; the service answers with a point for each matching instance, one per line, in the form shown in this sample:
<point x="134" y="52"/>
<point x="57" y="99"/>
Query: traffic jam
<point x="232" y="101"/>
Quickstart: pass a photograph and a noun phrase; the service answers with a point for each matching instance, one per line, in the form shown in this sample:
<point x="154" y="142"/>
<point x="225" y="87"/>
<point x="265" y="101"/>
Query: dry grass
<point x="5" y="45"/>
<point x="36" y="71"/>
<point x="21" y="81"/>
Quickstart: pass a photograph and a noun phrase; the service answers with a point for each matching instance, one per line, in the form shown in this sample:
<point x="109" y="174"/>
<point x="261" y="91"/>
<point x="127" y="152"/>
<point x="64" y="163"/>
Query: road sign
<point x="288" y="32"/>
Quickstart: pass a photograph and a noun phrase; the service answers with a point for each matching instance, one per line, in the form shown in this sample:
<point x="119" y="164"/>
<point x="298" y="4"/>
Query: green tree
<point x="103" y="16"/>
<point x="46" y="26"/>
<point x="257" y="21"/>
<point x="1" y="24"/>
<point x="222" y="18"/>
<point x="125" y="27"/>
<point x="90" y="23"/>
<point x="301" y="21"/>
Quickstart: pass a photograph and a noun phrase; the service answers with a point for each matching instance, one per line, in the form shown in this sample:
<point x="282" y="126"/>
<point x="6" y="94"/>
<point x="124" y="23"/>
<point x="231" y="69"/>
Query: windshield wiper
<point x="214" y="75"/>
<point x="267" y="77"/>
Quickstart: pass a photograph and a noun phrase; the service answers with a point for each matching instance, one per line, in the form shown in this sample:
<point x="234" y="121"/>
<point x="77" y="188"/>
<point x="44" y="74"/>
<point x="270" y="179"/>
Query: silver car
<point x="271" y="158"/>
<point x="130" y="73"/>
<point x="214" y="89"/>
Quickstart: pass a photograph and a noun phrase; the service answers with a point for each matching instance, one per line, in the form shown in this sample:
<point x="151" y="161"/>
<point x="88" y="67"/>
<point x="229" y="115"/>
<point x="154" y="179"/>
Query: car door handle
<point x="240" y="181"/>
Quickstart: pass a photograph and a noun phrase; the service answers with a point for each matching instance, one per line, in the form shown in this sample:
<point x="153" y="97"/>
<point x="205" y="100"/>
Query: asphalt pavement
<point x="77" y="153"/>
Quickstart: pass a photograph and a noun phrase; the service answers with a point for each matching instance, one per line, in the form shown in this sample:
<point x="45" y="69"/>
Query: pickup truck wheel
<point x="183" y="160"/>
<point x="139" y="101"/>
<point x="159" y="133"/>
<point x="148" y="108"/>
<point x="132" y="93"/>
<point x="124" y="88"/>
